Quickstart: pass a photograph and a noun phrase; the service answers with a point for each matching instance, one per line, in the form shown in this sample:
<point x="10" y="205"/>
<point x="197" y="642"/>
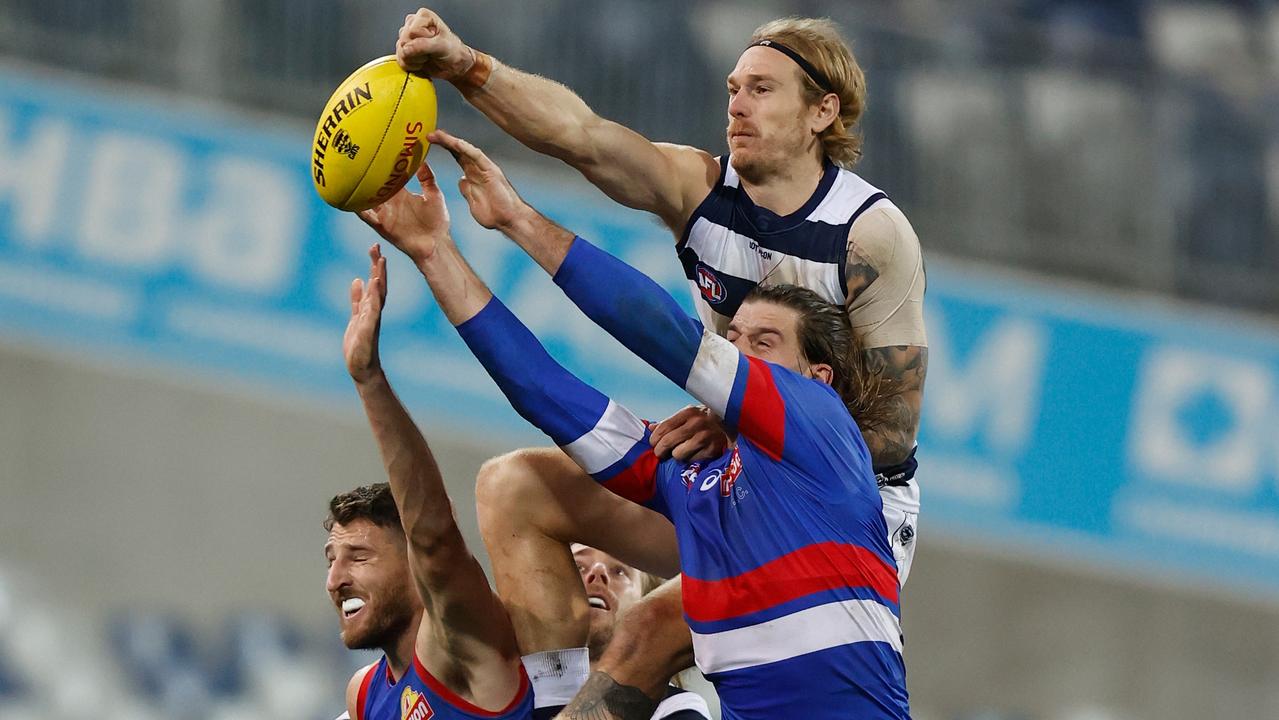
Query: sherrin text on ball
<point x="371" y="137"/>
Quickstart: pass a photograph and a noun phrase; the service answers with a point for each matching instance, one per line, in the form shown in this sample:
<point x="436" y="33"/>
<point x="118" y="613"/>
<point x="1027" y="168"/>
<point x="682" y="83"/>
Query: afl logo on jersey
<point x="710" y="286"/>
<point x="413" y="706"/>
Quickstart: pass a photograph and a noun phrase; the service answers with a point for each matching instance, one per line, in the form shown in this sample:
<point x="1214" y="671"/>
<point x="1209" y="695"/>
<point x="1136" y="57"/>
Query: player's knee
<point x="511" y="488"/>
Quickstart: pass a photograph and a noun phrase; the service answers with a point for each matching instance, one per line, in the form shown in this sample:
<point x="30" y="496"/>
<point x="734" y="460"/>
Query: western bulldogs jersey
<point x="790" y="585"/>
<point x="730" y="245"/>
<point x="419" y="696"/>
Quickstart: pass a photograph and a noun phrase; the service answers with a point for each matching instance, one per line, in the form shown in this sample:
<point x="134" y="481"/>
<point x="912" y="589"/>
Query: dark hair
<point x="370" y="502"/>
<point x="826" y="336"/>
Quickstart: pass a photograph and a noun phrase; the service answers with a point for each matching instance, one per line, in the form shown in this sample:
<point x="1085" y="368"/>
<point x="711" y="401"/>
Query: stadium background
<point x="1096" y="185"/>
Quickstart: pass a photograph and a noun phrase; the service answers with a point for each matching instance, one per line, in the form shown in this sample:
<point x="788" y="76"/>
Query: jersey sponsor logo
<point x="712" y="479"/>
<point x="710" y="286"/>
<point x="763" y="254"/>
<point x="413" y="706"/>
<point x="723" y="479"/>
<point x="729" y="478"/>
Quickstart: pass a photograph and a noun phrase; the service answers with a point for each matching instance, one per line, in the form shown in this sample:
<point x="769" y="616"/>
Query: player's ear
<point x="827" y="111"/>
<point x="821" y="371"/>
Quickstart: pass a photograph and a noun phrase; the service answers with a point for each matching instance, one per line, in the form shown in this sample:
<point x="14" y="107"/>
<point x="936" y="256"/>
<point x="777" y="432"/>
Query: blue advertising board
<point x="1056" y="420"/>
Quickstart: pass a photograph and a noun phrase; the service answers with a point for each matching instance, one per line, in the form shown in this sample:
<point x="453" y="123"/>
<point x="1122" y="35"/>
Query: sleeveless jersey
<point x="419" y="696"/>
<point x="730" y="245"/>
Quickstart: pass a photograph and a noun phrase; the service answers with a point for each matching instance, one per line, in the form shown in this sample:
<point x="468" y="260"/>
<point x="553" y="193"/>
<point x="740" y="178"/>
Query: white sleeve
<point x="686" y="700"/>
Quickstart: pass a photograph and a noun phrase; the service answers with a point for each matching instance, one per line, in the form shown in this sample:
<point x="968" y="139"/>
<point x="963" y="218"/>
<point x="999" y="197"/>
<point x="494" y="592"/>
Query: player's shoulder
<point x="353" y="687"/>
<point x="698" y="170"/>
<point x="681" y="704"/>
<point x="882" y="234"/>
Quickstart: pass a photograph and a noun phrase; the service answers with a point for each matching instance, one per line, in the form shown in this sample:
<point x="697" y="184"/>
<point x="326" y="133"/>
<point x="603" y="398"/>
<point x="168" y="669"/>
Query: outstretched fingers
<point x="357" y="294"/>
<point x="425" y="174"/>
<point x="377" y="271"/>
<point x="466" y="154"/>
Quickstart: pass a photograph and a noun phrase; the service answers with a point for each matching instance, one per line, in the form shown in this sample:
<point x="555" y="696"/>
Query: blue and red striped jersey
<point x="790" y="587"/>
<point x="417" y="695"/>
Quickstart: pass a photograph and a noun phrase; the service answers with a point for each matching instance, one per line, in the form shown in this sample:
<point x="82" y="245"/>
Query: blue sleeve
<point x="615" y="295"/>
<point x="605" y="439"/>
<point x="742" y="390"/>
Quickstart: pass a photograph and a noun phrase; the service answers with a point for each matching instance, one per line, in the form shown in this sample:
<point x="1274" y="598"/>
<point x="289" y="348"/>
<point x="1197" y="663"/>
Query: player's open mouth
<point x="597" y="602"/>
<point x="351" y="606"/>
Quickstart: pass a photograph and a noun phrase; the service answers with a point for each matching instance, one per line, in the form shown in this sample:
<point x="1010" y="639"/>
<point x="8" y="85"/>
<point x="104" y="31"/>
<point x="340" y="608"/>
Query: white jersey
<point x="730" y="245"/>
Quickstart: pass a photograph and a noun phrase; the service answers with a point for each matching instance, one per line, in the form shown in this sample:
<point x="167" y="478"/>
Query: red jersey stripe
<point x="364" y="692"/>
<point x="638" y="482"/>
<point x="763" y="415"/>
<point x="817" y="567"/>
<point x="461" y="703"/>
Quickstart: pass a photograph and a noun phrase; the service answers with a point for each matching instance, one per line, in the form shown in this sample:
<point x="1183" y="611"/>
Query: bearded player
<point x="371" y="583"/>
<point x="780" y="204"/>
<point x="400" y="573"/>
<point x="368" y="568"/>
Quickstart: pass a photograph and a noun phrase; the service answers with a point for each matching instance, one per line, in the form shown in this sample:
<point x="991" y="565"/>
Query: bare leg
<point x="531" y="504"/>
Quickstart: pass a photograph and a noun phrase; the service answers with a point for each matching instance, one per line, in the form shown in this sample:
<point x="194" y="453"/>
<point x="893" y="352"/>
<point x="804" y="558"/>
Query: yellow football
<point x="371" y="137"/>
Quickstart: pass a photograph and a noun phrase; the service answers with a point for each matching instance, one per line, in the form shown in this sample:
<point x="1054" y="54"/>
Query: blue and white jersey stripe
<point x="730" y="245"/>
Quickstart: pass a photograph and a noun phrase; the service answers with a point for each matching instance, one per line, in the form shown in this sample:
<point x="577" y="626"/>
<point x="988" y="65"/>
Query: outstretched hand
<point x="414" y="223"/>
<point x="493" y="201"/>
<point x="360" y="343"/>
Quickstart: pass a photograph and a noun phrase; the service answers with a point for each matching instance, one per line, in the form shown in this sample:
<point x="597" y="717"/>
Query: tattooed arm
<point x="885" y="291"/>
<point x="902" y="368"/>
<point x="603" y="698"/>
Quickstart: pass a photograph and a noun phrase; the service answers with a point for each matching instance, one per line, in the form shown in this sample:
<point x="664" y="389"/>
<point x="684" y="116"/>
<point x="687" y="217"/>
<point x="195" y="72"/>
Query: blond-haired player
<point x="781" y="204"/>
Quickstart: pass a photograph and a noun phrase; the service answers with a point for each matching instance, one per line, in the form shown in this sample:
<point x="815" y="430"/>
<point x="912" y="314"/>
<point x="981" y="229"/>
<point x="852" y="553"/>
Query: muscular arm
<point x="465" y="635"/>
<point x="465" y="623"/>
<point x="885" y="293"/>
<point x="667" y="180"/>
<point x="902" y="368"/>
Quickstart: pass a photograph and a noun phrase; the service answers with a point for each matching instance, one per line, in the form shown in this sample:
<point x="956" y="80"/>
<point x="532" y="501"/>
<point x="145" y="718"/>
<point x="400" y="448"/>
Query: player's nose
<point x="597" y="572"/>
<point x="337" y="578"/>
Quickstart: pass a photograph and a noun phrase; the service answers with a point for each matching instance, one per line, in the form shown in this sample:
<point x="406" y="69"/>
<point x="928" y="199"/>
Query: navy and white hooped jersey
<point x="789" y="583"/>
<point x="730" y="244"/>
<point x="419" y="696"/>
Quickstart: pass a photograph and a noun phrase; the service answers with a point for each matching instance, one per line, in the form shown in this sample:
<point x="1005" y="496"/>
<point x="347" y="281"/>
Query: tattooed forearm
<point x="902" y="369"/>
<point x="602" y="698"/>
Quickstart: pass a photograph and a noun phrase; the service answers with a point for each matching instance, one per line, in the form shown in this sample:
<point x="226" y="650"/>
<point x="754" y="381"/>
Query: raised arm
<point x="465" y="637"/>
<point x="631" y="307"/>
<point x="605" y="439"/>
<point x="666" y="180"/>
